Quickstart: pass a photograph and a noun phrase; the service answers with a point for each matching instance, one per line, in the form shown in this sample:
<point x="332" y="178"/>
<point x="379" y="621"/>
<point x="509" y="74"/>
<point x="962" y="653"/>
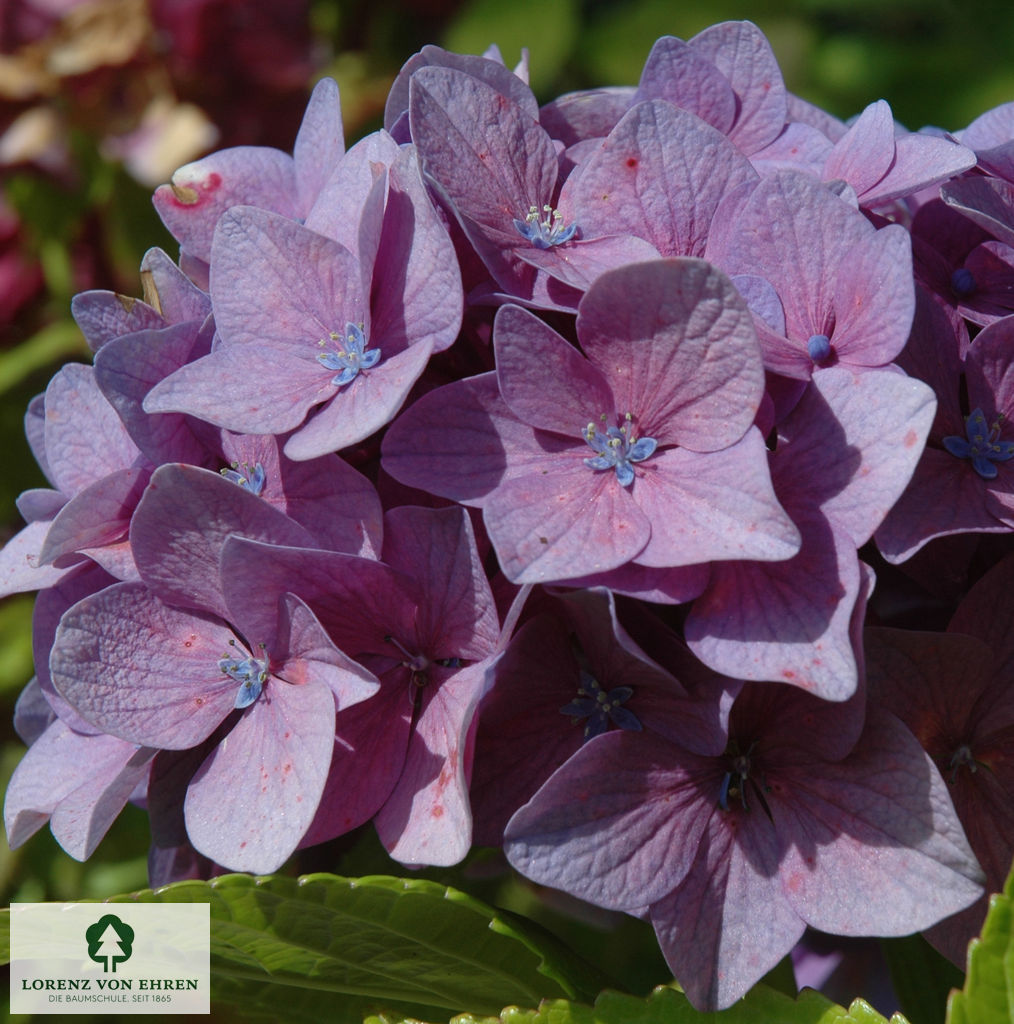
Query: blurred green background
<point x="82" y="219"/>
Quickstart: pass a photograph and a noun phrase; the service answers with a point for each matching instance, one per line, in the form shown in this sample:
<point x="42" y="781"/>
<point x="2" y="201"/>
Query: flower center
<point x="350" y="354"/>
<point x="600" y="707"/>
<point x="962" y="282"/>
<point x="738" y="778"/>
<point x="982" y="445"/>
<point x="545" y="230"/>
<point x="251" y="673"/>
<point x="245" y="475"/>
<point x="617" y="449"/>
<point x="962" y="756"/>
<point x="819" y="347"/>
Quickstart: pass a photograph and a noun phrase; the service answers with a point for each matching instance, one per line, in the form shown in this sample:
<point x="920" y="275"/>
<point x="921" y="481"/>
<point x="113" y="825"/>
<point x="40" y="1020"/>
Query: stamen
<point x="418" y="663"/>
<point x="350" y="356"/>
<point x="617" y="449"/>
<point x="962" y="756"/>
<point x="601" y="708"/>
<point x="251" y="673"/>
<point x="245" y="475"/>
<point x="547" y="231"/>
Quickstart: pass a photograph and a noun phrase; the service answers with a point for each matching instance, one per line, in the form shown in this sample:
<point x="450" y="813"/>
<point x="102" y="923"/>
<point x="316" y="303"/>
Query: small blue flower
<point x="982" y="446"/>
<point x="245" y="475"/>
<point x="617" y="450"/>
<point x="600" y="707"/>
<point x="251" y="674"/>
<point x="546" y="232"/>
<point x="351" y="355"/>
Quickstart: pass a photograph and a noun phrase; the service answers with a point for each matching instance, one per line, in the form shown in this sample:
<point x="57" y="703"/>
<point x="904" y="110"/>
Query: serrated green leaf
<point x="325" y="947"/>
<point x="988" y="996"/>
<point x="667" y="1005"/>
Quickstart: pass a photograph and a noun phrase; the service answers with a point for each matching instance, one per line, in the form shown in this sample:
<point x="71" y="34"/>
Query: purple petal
<point x="180" y="526"/>
<point x="417" y="293"/>
<point x="787" y="621"/>
<point x="852" y="445"/>
<point x="370" y="402"/>
<point x="256" y="794"/>
<point x="676" y="343"/>
<point x="742" y="53"/>
<point x="304" y="655"/>
<point x="202" y="191"/>
<point x="251" y="388"/>
<point x="467" y="455"/>
<point x="874" y="299"/>
<point x="85" y="439"/>
<point x="887" y="796"/>
<point x="128" y="368"/>
<point x="660" y="176"/>
<point x="543" y="379"/>
<point x="567" y="521"/>
<point x="142" y="670"/>
<point x="684" y="77"/>
<point x="173" y="295"/>
<point x="864" y="154"/>
<point x="427" y="819"/>
<point x="457" y="615"/>
<point x="367" y="761"/>
<point x="491" y="159"/>
<point x="320" y="143"/>
<point x="97" y="516"/>
<point x="729" y="922"/>
<point x="617" y="824"/>
<point x="20" y="570"/>
<point x="713" y="506"/>
<point x="358" y="601"/>
<point x="104" y="316"/>
<point x="278" y="283"/>
<point x="578" y="263"/>
<point x="81" y="781"/>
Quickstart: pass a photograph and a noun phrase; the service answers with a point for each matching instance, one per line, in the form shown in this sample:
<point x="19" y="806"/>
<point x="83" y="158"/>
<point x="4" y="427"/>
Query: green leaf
<point x="666" y="1005"/>
<point x="921" y="976"/>
<point x="15" y="642"/>
<point x="481" y="23"/>
<point x="988" y="996"/>
<point x="325" y="947"/>
<point x="52" y="344"/>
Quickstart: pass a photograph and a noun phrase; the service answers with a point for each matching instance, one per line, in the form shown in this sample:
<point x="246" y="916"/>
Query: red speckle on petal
<point x="911" y="438"/>
<point x="286" y="768"/>
<point x="631" y="162"/>
<point x="437" y="812"/>
<point x="794" y="883"/>
<point x="199" y="702"/>
<point x="788" y="674"/>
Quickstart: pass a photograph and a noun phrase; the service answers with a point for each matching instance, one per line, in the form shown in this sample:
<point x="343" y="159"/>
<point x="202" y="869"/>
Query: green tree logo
<point x="109" y="942"/>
